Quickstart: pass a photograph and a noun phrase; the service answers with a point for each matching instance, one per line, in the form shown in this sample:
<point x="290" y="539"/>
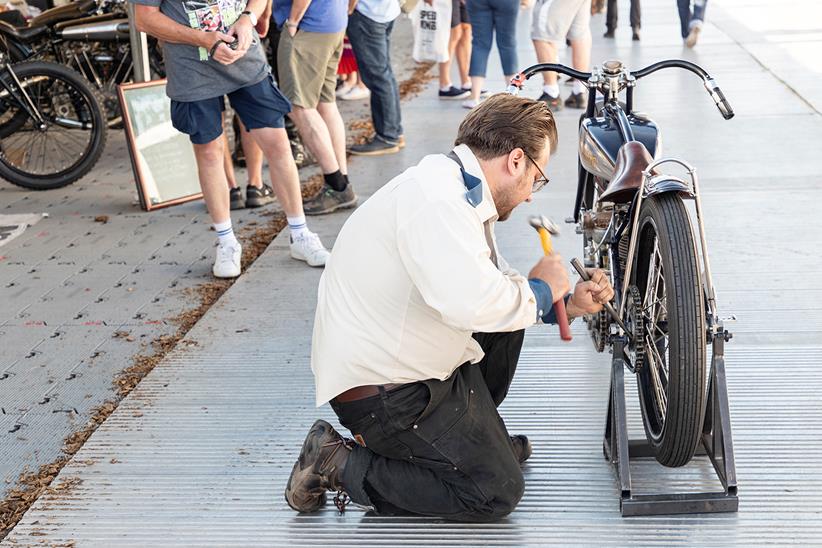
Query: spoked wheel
<point x="69" y="141"/>
<point x="669" y="312"/>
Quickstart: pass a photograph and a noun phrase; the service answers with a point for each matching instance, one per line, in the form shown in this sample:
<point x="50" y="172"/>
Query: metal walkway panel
<point x="200" y="453"/>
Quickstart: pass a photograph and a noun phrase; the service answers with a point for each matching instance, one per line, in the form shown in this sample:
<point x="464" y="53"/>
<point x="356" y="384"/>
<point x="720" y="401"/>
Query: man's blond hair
<point x="504" y="122"/>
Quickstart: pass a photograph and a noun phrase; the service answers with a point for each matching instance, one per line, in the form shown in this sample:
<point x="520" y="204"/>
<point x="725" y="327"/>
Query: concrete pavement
<point x="198" y="455"/>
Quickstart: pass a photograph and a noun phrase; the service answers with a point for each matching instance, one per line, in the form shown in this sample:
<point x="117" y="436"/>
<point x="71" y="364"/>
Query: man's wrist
<point x="571" y="309"/>
<point x="207" y="40"/>
<point x="251" y="16"/>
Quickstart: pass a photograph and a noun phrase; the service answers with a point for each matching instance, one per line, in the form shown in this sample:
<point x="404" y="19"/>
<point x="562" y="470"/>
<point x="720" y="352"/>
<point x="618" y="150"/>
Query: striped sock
<point x="297" y="226"/>
<point x="225" y="234"/>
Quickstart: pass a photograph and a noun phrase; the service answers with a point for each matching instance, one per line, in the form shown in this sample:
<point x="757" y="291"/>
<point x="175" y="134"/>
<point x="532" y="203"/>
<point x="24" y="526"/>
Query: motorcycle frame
<point x="25" y="102"/>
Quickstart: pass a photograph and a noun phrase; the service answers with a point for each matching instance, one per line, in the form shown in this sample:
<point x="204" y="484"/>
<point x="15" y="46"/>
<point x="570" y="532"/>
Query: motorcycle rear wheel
<point x="42" y="159"/>
<point x="671" y="379"/>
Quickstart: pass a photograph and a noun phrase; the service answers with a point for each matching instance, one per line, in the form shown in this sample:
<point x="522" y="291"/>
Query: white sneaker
<point x="308" y="247"/>
<point x="355" y="94"/>
<point x="693" y="36"/>
<point x="227" y="264"/>
<point x="470" y="103"/>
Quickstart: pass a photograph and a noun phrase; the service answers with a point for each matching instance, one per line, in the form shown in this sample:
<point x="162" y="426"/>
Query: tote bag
<point x="432" y="29"/>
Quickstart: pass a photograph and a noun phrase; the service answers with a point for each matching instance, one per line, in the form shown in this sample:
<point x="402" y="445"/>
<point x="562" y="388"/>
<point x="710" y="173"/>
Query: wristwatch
<point x="289" y="24"/>
<point x="250" y="16"/>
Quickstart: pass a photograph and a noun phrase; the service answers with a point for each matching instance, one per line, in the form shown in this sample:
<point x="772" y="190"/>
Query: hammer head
<point x="541" y="221"/>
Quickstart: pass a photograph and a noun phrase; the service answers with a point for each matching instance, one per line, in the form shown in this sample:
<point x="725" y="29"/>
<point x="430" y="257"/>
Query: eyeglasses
<point x="537" y="185"/>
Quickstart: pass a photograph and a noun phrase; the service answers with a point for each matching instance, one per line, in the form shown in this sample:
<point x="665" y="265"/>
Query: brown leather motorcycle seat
<point x="632" y="159"/>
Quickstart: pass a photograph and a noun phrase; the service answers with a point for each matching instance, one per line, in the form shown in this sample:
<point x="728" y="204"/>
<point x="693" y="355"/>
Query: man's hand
<point x="589" y="296"/>
<point x="552" y="271"/>
<point x="222" y="53"/>
<point x="244" y="31"/>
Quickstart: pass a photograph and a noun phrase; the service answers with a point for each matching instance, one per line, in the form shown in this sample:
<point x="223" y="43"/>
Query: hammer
<point x="545" y="227"/>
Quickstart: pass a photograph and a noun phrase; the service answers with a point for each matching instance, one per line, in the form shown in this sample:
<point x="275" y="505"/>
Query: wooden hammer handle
<point x="559" y="306"/>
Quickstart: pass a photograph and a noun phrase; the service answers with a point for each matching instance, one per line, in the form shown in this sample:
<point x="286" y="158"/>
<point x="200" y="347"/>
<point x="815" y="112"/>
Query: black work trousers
<point x="611" y="16"/>
<point x="439" y="448"/>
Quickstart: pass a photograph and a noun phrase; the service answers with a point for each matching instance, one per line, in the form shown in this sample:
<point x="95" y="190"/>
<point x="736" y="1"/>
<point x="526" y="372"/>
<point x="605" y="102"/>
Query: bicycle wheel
<point x="69" y="142"/>
<point x="666" y="305"/>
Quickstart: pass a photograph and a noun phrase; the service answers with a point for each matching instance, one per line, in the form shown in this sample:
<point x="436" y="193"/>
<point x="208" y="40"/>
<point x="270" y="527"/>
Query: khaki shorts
<point x="307" y="65"/>
<point x="556" y="20"/>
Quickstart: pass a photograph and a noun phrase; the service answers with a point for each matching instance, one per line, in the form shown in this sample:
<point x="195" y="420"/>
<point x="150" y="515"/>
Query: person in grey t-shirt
<point x="212" y="49"/>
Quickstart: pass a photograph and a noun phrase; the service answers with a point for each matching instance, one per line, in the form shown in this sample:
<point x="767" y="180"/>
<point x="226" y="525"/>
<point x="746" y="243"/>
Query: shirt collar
<point x="486" y="209"/>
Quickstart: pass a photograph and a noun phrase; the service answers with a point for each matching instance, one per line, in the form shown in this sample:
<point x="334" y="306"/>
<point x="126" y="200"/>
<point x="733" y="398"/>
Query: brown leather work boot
<point x="522" y="447"/>
<point x="318" y="469"/>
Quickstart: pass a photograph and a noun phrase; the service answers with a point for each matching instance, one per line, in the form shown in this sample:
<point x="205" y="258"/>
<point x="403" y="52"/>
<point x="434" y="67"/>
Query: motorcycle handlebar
<point x="719" y="98"/>
<point x="710" y="84"/>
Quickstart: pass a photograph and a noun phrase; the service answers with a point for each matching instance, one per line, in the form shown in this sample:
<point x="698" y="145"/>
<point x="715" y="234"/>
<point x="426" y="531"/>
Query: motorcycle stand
<point x="716" y="442"/>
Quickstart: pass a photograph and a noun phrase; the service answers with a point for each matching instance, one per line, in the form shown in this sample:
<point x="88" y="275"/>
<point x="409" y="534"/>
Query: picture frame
<point x="165" y="169"/>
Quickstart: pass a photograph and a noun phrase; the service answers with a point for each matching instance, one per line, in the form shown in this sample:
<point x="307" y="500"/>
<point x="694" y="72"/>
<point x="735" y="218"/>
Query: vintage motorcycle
<point x="52" y="127"/>
<point x="90" y="36"/>
<point x="635" y="225"/>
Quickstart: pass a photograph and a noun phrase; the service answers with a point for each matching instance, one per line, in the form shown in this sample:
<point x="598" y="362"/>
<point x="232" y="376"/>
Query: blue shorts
<point x="260" y="105"/>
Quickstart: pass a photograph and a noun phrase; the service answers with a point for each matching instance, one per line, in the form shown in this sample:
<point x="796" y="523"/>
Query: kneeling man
<point x="419" y="327"/>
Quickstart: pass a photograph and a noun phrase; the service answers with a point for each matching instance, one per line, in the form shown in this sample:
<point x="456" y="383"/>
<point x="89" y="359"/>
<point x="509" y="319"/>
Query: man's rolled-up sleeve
<point x="447" y="257"/>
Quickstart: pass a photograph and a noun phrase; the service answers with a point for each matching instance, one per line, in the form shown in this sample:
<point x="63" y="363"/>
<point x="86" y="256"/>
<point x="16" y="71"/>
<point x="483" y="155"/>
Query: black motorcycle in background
<point x="90" y="36"/>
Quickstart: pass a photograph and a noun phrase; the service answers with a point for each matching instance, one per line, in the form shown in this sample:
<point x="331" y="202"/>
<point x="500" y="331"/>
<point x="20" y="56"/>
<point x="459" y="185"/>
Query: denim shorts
<point x="259" y="105"/>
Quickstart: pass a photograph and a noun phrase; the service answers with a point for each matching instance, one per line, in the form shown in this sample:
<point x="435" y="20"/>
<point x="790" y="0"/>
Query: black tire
<point x="674" y="333"/>
<point x="82" y="103"/>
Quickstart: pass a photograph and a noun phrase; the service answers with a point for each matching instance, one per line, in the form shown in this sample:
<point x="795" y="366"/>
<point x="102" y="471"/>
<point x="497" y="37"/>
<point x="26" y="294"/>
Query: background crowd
<point x="319" y="51"/>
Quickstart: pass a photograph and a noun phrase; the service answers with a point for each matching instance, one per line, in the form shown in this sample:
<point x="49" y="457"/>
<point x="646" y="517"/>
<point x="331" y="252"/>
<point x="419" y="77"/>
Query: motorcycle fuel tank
<point x="600" y="139"/>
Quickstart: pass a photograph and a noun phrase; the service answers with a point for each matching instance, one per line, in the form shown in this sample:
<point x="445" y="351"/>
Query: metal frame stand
<point x="716" y="442"/>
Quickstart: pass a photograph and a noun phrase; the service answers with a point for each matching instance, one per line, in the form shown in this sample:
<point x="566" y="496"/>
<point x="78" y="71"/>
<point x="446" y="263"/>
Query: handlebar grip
<point x="719" y="98"/>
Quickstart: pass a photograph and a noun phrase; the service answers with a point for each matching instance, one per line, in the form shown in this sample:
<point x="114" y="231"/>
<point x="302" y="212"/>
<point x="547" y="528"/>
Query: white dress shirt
<point x="410" y="279"/>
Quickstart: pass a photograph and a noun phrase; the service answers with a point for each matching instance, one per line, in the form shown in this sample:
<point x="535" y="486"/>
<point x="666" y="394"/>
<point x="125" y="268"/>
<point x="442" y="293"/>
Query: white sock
<point x="553" y="91"/>
<point x="445" y="88"/>
<point x="578" y="87"/>
<point x="225" y="234"/>
<point x="467" y="86"/>
<point x="297" y="226"/>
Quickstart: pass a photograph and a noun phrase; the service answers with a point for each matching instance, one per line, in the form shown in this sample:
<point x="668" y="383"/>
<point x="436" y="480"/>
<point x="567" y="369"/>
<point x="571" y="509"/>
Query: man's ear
<point x="516" y="159"/>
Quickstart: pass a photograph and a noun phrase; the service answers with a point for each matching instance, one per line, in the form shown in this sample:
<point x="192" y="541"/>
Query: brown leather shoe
<point x="522" y="447"/>
<point x="318" y="469"/>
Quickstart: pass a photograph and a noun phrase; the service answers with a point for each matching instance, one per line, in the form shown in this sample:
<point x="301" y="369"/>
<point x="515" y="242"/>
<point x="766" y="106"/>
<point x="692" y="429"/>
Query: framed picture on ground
<point x="163" y="159"/>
